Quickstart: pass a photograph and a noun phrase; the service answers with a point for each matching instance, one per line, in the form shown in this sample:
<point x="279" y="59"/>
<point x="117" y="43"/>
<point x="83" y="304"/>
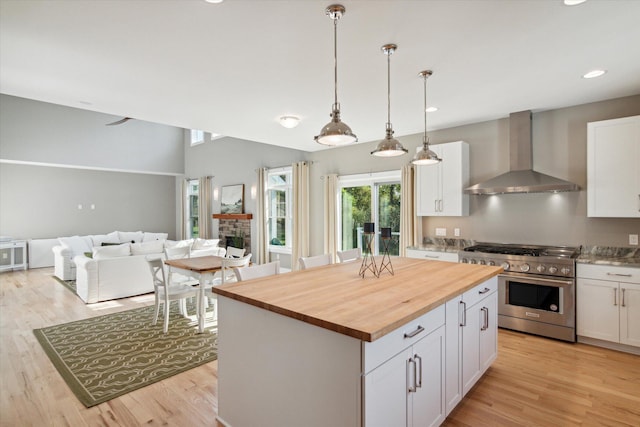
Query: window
<point x="279" y="188"/>
<point x="369" y="198"/>
<point x="197" y="137"/>
<point x="191" y="208"/>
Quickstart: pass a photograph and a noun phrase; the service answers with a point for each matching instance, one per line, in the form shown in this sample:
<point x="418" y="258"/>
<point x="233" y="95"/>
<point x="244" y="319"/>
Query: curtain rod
<point x="206" y="176"/>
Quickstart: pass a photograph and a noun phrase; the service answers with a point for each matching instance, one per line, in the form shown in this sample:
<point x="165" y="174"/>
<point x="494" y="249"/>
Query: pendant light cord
<point x="389" y="87"/>
<point x="335" y="62"/>
<point x="426" y="139"/>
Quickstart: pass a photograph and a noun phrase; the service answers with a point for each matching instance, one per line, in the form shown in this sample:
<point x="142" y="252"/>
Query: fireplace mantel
<point x="233" y="216"/>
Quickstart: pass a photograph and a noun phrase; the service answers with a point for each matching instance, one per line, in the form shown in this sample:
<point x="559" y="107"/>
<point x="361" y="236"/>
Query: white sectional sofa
<point x="119" y="271"/>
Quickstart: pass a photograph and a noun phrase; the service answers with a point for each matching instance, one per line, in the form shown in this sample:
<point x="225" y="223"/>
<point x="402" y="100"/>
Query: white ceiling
<point x="234" y="68"/>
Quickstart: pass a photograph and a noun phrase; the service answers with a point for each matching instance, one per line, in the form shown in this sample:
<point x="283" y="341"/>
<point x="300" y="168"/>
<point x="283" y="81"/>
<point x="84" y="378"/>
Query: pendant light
<point x="335" y="132"/>
<point x="425" y="156"/>
<point x="389" y="146"/>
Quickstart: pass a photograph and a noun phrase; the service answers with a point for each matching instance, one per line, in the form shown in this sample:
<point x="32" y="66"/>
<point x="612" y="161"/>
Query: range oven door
<point x="537" y="298"/>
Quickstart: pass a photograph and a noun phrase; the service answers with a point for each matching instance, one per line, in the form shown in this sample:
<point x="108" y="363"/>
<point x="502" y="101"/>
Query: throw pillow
<point x="103" y="252"/>
<point x="146" y="248"/>
<point x="205" y="244"/>
<point x="99" y="239"/>
<point x="78" y="245"/>
<point x="148" y="237"/>
<point x="88" y="254"/>
<point x="178" y="244"/>
<point x="128" y="236"/>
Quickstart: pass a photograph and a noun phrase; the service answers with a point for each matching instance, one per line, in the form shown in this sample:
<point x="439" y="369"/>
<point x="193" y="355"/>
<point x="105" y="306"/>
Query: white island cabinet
<point x="325" y="347"/>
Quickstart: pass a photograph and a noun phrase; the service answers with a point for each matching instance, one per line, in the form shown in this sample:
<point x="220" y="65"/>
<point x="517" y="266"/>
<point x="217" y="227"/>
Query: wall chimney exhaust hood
<point x="521" y="177"/>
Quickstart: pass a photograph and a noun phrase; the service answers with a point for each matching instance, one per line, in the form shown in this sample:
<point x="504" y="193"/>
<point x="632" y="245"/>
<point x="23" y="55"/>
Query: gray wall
<point x="128" y="172"/>
<point x="559" y="145"/>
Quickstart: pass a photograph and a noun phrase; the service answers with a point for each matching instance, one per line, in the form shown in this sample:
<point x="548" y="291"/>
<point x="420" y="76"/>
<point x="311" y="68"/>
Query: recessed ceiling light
<point x="431" y="109"/>
<point x="573" y="2"/>
<point x="214" y="1"/>
<point x="593" y="73"/>
<point x="289" y="121"/>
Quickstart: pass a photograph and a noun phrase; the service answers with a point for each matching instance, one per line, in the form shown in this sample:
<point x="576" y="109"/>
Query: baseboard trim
<point x="610" y="345"/>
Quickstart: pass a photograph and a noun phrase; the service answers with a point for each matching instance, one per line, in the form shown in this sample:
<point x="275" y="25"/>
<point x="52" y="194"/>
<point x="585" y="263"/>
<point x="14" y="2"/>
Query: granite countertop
<point x="443" y="245"/>
<point x="606" y="255"/>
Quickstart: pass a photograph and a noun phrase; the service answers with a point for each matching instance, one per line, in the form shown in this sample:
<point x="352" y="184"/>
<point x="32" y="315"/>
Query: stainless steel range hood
<point x="521" y="177"/>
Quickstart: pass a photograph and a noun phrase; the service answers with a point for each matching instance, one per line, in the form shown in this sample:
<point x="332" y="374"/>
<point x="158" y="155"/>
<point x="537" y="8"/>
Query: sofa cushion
<point x="99" y="239"/>
<point x="149" y="237"/>
<point x="103" y="252"/>
<point x="130" y="236"/>
<point x="205" y="244"/>
<point x="146" y="248"/>
<point x="178" y="244"/>
<point x="78" y="245"/>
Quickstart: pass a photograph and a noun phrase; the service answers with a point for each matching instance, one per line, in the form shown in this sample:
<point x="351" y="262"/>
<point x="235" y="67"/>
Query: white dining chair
<point x="227" y="273"/>
<point x="350" y="255"/>
<point x="178" y="253"/>
<point x="165" y="292"/>
<point x="235" y="252"/>
<point x="315" y="261"/>
<point x="256" y="271"/>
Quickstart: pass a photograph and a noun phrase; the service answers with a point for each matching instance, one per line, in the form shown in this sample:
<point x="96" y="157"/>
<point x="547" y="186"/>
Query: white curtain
<point x="300" y="241"/>
<point x="262" y="254"/>
<point x="410" y="223"/>
<point x="183" y="207"/>
<point x="331" y="215"/>
<point x="204" y="207"/>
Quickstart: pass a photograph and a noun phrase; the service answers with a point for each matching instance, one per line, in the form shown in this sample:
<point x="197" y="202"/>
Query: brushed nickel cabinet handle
<point x="418" y="330"/>
<point x="485" y="319"/>
<point x="412" y="388"/>
<point x="615" y="296"/>
<point x="623" y="298"/>
<point x="484" y="291"/>
<point x="419" y="359"/>
<point x="435" y="205"/>
<point x="464" y="314"/>
<point x="619" y="274"/>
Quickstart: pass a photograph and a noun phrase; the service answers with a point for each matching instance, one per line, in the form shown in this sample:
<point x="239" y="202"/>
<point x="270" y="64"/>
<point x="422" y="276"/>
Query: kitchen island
<point x="326" y="347"/>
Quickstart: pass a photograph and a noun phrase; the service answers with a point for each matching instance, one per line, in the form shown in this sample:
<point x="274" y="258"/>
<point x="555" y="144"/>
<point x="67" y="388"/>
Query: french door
<point x="369" y="198"/>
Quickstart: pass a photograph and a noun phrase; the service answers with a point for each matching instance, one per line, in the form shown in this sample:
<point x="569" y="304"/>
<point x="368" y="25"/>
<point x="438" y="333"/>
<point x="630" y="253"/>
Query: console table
<point x="13" y="255"/>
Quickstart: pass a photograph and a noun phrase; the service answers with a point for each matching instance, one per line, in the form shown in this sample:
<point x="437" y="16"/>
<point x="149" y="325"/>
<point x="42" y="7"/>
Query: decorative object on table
<point x="424" y="156"/>
<point x="385" y="264"/>
<point x="368" y="260"/>
<point x="232" y="200"/>
<point x="84" y="352"/>
<point x="335" y="132"/>
<point x="389" y="146"/>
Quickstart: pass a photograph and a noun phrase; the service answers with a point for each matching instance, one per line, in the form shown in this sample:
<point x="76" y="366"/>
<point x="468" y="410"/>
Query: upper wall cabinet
<point x="440" y="187"/>
<point x="613" y="168"/>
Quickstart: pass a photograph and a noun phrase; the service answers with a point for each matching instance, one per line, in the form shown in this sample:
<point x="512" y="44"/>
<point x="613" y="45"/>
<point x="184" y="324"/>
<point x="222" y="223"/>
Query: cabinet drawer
<point x="608" y="272"/>
<point x="377" y="352"/>
<point x="432" y="255"/>
<point x="480" y="292"/>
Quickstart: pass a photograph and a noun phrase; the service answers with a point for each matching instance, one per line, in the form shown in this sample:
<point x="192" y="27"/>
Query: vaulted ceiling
<point x="234" y="68"/>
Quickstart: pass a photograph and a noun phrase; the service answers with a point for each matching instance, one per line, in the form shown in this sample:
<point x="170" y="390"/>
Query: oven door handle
<point x="539" y="279"/>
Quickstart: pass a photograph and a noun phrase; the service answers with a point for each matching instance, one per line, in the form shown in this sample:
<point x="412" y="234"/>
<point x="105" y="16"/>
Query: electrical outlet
<point x="633" y="239"/>
<point x="441" y="231"/>
<point x="456" y="232"/>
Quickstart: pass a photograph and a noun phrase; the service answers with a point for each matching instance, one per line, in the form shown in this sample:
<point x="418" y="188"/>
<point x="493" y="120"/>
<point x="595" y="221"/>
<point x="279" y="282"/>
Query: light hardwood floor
<point x="534" y="382"/>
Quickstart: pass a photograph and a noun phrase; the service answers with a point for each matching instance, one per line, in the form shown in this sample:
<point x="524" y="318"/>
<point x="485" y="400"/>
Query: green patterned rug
<point x="107" y="356"/>
<point x="69" y="284"/>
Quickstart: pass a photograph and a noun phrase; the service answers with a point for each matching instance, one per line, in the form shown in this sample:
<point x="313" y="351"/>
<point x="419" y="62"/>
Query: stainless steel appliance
<point x="537" y="289"/>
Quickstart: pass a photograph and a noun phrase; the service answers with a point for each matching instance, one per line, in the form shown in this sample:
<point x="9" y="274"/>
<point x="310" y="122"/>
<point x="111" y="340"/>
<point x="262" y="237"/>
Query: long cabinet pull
<point x="414" y="333"/>
<point x="419" y="381"/>
<point x="615" y="296"/>
<point x="619" y="274"/>
<point x="485" y="318"/>
<point x="623" y="298"/>
<point x="412" y="386"/>
<point x="441" y="207"/>
<point x="484" y="291"/>
<point x="435" y="205"/>
<point x="464" y="313"/>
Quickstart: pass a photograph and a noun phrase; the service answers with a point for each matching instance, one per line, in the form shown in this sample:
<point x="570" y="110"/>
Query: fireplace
<point x="235" y="230"/>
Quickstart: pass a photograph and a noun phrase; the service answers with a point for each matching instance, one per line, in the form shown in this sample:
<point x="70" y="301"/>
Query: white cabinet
<point x="613" y="175"/>
<point x="432" y="255"/>
<point x="608" y="303"/>
<point x="471" y="339"/>
<point x="13" y="255"/>
<point x="440" y="187"/>
<point x="408" y="389"/>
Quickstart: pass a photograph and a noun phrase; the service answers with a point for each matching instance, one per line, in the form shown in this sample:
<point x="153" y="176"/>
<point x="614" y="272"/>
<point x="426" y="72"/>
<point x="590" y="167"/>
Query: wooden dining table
<point x="200" y="268"/>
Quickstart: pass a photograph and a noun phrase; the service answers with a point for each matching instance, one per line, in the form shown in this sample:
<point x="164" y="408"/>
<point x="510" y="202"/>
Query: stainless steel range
<point x="537" y="289"/>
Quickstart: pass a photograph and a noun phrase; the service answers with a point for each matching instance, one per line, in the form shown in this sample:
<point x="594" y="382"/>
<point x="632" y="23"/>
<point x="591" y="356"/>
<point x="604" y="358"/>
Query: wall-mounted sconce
<point x="216" y="192"/>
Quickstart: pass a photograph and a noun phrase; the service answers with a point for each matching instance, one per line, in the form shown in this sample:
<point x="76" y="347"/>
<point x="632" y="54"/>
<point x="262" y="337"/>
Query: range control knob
<point x="565" y="270"/>
<point x="524" y="267"/>
<point x="541" y="268"/>
<point x="505" y="265"/>
<point x="473" y="261"/>
<point x="553" y="270"/>
<point x="464" y="260"/>
<point x="491" y="263"/>
<point x="482" y="262"/>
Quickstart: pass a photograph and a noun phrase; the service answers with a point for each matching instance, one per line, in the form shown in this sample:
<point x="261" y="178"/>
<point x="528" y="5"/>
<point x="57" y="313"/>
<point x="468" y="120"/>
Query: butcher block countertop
<point x="335" y="297"/>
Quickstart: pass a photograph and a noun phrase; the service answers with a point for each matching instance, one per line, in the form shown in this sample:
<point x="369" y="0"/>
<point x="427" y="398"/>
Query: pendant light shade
<point x="335" y="132"/>
<point x="389" y="146"/>
<point x="425" y="156"/>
